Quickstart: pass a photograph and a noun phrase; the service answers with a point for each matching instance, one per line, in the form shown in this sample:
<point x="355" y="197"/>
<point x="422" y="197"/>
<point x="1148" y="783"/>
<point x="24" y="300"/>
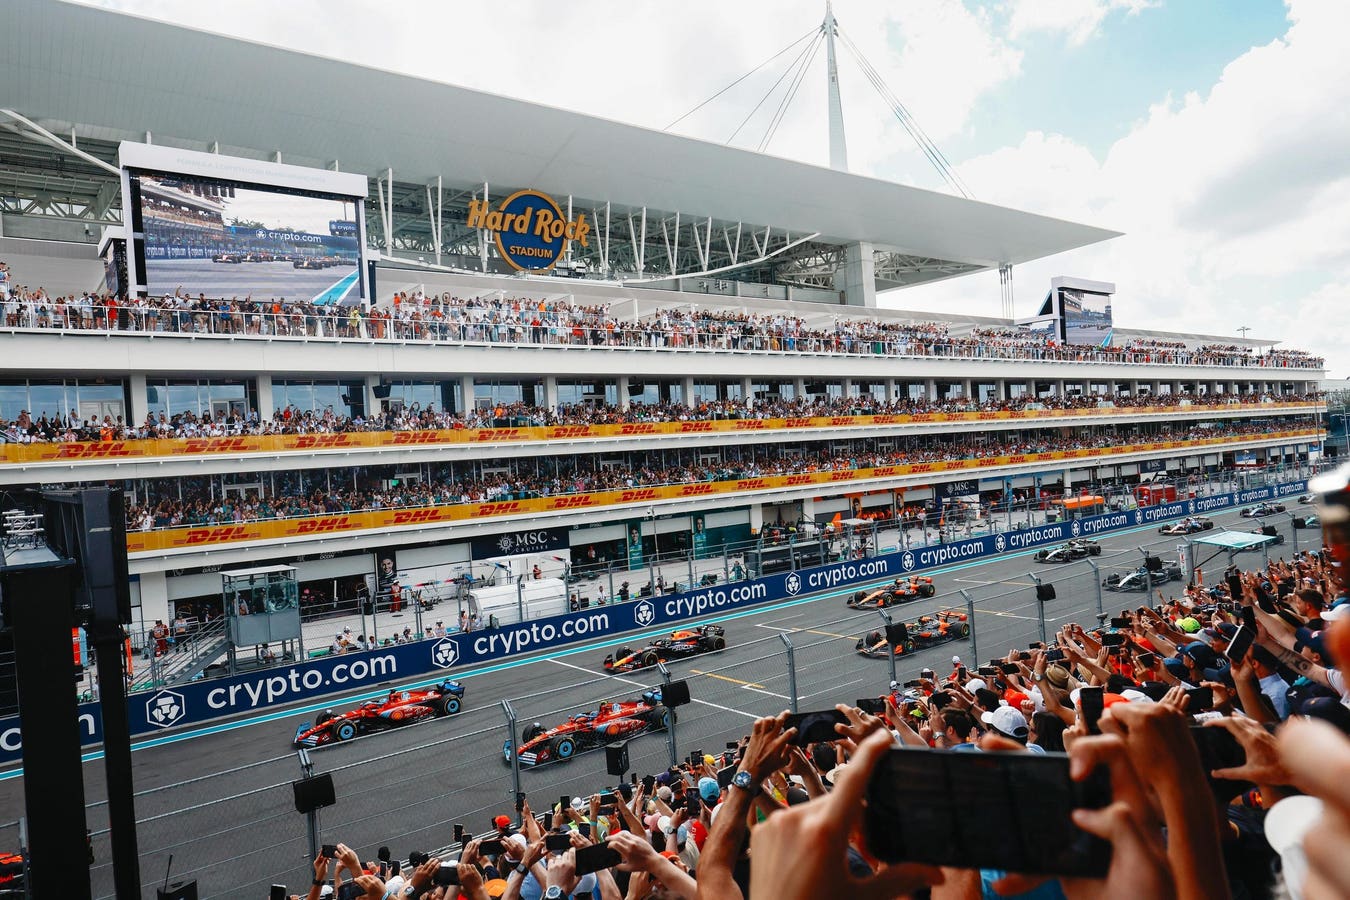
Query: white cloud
<point x="1077" y="20"/>
<point x="1235" y="204"/>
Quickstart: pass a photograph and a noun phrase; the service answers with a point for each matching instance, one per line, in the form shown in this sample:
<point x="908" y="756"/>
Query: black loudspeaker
<point x="313" y="793"/>
<point x="1045" y="592"/>
<point x="179" y="890"/>
<point x="897" y="633"/>
<point x="675" y="694"/>
<point x="814" y="387"/>
<point x="1153" y="563"/>
<point x="368" y="608"/>
<point x="616" y="759"/>
<point x="635" y="388"/>
<point x="381" y="391"/>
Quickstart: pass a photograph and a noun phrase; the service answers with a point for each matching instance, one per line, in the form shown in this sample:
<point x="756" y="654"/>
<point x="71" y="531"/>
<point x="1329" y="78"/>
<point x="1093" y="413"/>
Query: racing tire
<point x="719" y="643"/>
<point x="661" y="716"/>
<point x="530" y="733"/>
<point x="963" y="630"/>
<point x="344" y="731"/>
<point x="564" y="748"/>
<point x="1095" y="550"/>
<point x="650" y="659"/>
<point x="324" y="717"/>
<point x="858" y="596"/>
<point x="927" y="590"/>
<point x="448" y="706"/>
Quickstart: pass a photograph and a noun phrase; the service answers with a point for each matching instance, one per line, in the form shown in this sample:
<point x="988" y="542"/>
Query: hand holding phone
<point x="328" y="851"/>
<point x="596" y="857"/>
<point x="815" y="727"/>
<point x="446" y="875"/>
<point x="557" y="843"/>
<point x="1090" y="703"/>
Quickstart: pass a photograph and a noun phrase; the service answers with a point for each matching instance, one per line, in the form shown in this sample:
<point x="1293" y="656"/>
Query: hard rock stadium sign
<point x="530" y="229"/>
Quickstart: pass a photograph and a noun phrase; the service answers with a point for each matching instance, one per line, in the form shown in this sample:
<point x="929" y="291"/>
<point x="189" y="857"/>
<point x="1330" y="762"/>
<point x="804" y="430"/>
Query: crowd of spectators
<point x="558" y="322"/>
<point x="1227" y="771"/>
<point x="47" y="427"/>
<point x="192" y="502"/>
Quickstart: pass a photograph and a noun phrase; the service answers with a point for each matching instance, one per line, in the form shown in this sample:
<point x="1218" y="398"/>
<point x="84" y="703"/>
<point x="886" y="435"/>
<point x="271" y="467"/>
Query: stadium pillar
<point x="466" y="393"/>
<point x="551" y="391"/>
<point x="890" y="390"/>
<point x="748" y="392"/>
<point x="856" y="276"/>
<point x="265" y="408"/>
<point x="688" y="383"/>
<point x="373" y="406"/>
<point x="798" y="388"/>
<point x="138" y="404"/>
<point x="623" y="392"/>
<point x="930" y="389"/>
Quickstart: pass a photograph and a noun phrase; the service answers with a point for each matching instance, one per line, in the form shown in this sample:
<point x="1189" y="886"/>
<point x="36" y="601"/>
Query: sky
<point x="1214" y="133"/>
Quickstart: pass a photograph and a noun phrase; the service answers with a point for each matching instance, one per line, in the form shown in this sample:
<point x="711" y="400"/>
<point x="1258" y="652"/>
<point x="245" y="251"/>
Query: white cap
<point x="956" y="660"/>
<point x="975" y="684"/>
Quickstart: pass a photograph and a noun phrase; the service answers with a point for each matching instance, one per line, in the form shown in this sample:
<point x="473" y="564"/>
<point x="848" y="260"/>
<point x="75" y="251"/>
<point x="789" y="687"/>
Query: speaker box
<point x="179" y="890"/>
<point x="675" y="694"/>
<point x="616" y="759"/>
<point x="897" y="633"/>
<point x="1153" y="563"/>
<point x="313" y="793"/>
<point x="635" y="388"/>
<point x="382" y="391"/>
<point x="1045" y="592"/>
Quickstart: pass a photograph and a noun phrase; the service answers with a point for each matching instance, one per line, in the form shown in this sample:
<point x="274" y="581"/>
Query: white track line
<point x="739" y="712"/>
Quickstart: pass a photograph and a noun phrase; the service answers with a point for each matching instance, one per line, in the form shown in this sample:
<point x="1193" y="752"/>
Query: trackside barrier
<point x="197" y="702"/>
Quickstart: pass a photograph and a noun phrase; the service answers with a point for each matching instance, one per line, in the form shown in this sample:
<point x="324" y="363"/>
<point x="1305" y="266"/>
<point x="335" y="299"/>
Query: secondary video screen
<point x="226" y="240"/>
<point x="1087" y="317"/>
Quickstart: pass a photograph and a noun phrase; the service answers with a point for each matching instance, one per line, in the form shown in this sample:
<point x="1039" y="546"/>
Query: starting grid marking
<point x="629" y="681"/>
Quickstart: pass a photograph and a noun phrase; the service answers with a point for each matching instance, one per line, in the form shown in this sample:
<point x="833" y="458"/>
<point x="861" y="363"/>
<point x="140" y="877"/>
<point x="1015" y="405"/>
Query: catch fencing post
<point x="792" y="670"/>
<point x="692" y="586"/>
<point x="511" y="737"/>
<point x="311" y="817"/>
<point x="1097" y="582"/>
<point x="520" y="599"/>
<point x="970" y="617"/>
<point x="890" y="648"/>
<point x="670" y="732"/>
<point x="1040" y="606"/>
<point x="1294" y="530"/>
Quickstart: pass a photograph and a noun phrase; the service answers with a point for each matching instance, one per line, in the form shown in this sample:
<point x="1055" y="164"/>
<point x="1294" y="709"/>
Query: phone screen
<point x="1090" y="701"/>
<point x="1120" y="623"/>
<point x="584" y="829"/>
<point x="459" y="832"/>
<point x="1009" y="668"/>
<point x="1113" y="639"/>
<point x="446" y="875"/>
<point x="939" y="808"/>
<point x="1235" y="587"/>
<point x="278" y="892"/>
<point x="329" y="851"/>
<point x="557" y="843"/>
<point x="1054" y="655"/>
<point x="491" y="848"/>
<point x="1220" y="750"/>
<point x="815" y="727"/>
<point x="872" y="705"/>
<point x="1200" y="699"/>
<point x="353" y="891"/>
<point x="724" y="776"/>
<point x="1147" y="660"/>
<point x="596" y="857"/>
<point x="1240" y="644"/>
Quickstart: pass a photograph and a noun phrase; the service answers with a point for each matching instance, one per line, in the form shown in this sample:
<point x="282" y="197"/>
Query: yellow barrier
<point x="175" y="538"/>
<point x="300" y="443"/>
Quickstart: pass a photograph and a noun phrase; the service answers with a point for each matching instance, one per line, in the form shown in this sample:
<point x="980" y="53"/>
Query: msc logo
<point x="1075" y="528"/>
<point x="505" y="543"/>
<point x="216" y="535"/>
<point x="321" y="526"/>
<point x="907" y="561"/>
<point x="644" y="613"/>
<point x="1000" y="544"/>
<point x="793" y="583"/>
<point x="530" y="230"/>
<point x="444" y="653"/>
<point x="165" y="708"/>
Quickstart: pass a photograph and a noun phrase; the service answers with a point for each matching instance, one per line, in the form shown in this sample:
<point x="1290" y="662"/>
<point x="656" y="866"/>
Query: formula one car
<point x="12" y="875"/>
<point x="901" y="590"/>
<point x="1266" y="531"/>
<point x="1306" y="498"/>
<point x="1262" y="509"/>
<point x="1078" y="548"/>
<point x="683" y="643"/>
<point x="227" y="258"/>
<point x="307" y="262"/>
<point x="1141" y="579"/>
<point x="925" y="631"/>
<point x="588" y="731"/>
<point x="1188" y="525"/>
<point x="399" y="708"/>
<point x="1308" y="520"/>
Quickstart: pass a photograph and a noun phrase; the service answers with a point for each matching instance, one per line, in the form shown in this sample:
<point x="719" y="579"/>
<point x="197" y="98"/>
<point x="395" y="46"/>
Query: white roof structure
<point x="72" y="69"/>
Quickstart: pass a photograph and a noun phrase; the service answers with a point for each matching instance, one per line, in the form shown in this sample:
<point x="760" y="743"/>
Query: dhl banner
<point x="176" y="538"/>
<point x="310" y="443"/>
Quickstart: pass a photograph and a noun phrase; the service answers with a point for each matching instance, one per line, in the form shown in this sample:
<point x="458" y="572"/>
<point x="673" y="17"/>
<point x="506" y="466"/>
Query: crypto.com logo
<point x="793" y="583"/>
<point x="166" y="708"/>
<point x="644" y="613"/>
<point x="444" y="653"/>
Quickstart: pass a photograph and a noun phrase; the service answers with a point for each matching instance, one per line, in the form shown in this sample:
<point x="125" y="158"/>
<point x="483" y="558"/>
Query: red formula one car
<point x="587" y="731"/>
<point x="12" y="875"/>
<point x="399" y="708"/>
<point x="901" y="590"/>
<point x="680" y="644"/>
<point x="925" y="631"/>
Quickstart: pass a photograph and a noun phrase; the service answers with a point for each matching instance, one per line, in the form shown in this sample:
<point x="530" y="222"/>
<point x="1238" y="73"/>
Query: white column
<point x="847" y="387"/>
<point x="1059" y="387"/>
<point x="466" y="392"/>
<point x="798" y="387"/>
<point x="688" y="383"/>
<point x="969" y="388"/>
<point x="756" y="518"/>
<point x="890" y="390"/>
<point x="551" y="391"/>
<point x="138" y="405"/>
<point x="265" y="407"/>
<point x="623" y="392"/>
<point x="374" y="405"/>
<point x="930" y="389"/>
<point x="748" y="392"/>
<point x="154" y="597"/>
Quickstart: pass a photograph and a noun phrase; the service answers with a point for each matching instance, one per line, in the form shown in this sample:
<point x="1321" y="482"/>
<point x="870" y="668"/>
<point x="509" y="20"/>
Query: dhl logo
<point x="1095" y="451"/>
<point x="323" y="441"/>
<point x="324" y="525"/>
<point x="216" y="445"/>
<point x="415" y="516"/>
<point x="690" y="427"/>
<point x="921" y="417"/>
<point x="842" y="475"/>
<point x="885" y="420"/>
<point x="985" y="416"/>
<point x="639" y="494"/>
<point x="697" y="490"/>
<point x="99" y="450"/>
<point x="576" y="501"/>
<point x="569" y="431"/>
<point x="841" y="420"/>
<point x="1014" y="460"/>
<point x="750" y="424"/>
<point x="487" y="435"/>
<point x="751" y="484"/>
<point x="416" y="437"/>
<point x="797" y="423"/>
<point x="885" y="471"/>
<point x="797" y="479"/>
<point x="921" y="467"/>
<point x="216" y="535"/>
<point x="637" y="428"/>
<point x="499" y="509"/>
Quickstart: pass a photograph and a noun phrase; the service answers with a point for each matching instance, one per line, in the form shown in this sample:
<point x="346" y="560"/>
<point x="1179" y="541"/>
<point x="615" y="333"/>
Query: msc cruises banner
<point x="200" y="701"/>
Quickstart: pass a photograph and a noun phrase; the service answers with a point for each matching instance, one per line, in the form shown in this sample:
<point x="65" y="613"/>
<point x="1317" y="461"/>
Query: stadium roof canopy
<point x="73" y="70"/>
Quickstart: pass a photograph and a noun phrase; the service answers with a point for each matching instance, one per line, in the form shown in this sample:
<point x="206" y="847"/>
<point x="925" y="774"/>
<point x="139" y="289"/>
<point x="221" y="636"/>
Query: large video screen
<point x="1087" y="317"/>
<point x="227" y="239"/>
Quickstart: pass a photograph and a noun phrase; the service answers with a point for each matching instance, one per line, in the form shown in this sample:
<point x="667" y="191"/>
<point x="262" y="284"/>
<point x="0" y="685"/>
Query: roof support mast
<point x="838" y="146"/>
<point x="855" y="278"/>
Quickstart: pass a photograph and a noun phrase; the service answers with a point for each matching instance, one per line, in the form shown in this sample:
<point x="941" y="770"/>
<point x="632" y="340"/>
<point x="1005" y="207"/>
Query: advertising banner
<point x="513" y="543"/>
<point x="198" y="702"/>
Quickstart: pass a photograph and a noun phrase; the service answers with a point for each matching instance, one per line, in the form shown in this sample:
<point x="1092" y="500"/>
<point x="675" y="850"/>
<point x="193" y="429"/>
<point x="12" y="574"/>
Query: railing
<point x="185" y="655"/>
<point x="352" y="324"/>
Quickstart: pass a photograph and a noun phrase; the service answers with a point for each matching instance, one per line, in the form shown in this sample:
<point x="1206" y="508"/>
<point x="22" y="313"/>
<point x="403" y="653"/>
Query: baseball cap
<point x="1285" y="826"/>
<point x="1309" y="638"/>
<point x="651" y="820"/>
<point x="975" y="684"/>
<point x="495" y="887"/>
<point x="1332" y="613"/>
<point x="670" y="854"/>
<point x="956" y="660"/>
<point x="1175" y="667"/>
<point x="1007" y="722"/>
<point x="1190" y="625"/>
<point x="1201" y="654"/>
<point x="1328" y="709"/>
<point x="502" y="822"/>
<point x="708" y="789"/>
<point x="578" y="803"/>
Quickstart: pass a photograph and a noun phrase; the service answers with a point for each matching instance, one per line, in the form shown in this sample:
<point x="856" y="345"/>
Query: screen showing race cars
<point x="1086" y="317"/>
<point x="226" y="239"/>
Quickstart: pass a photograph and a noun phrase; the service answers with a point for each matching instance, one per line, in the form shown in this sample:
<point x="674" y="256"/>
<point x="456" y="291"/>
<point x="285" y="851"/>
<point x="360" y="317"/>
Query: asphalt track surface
<point x="263" y="280"/>
<point x="218" y="798"/>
